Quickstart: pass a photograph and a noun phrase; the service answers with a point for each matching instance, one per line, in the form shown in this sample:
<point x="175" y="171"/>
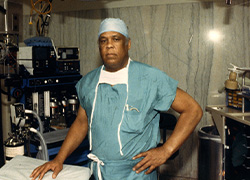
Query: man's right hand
<point x="40" y="171"/>
<point x="75" y="136"/>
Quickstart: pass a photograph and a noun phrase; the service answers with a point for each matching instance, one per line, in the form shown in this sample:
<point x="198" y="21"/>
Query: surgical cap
<point x="113" y="24"/>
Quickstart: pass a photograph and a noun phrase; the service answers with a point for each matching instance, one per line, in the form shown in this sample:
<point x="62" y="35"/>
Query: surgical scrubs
<point x="125" y="117"/>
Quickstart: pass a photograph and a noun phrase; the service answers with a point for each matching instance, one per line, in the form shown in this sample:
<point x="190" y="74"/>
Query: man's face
<point x="114" y="50"/>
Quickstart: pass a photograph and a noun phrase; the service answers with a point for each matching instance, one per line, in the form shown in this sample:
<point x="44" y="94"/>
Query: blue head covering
<point x="113" y="24"/>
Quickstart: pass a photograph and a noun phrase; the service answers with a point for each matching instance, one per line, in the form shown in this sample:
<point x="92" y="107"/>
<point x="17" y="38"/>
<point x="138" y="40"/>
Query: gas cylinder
<point x="14" y="146"/>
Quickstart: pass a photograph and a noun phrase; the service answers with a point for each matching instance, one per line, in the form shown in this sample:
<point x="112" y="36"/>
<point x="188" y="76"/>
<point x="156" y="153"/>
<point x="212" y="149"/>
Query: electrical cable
<point x="43" y="9"/>
<point x="45" y="21"/>
<point x="40" y="11"/>
<point x="38" y="25"/>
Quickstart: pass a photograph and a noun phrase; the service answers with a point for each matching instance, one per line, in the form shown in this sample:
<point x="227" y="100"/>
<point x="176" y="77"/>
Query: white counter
<point x="20" y="167"/>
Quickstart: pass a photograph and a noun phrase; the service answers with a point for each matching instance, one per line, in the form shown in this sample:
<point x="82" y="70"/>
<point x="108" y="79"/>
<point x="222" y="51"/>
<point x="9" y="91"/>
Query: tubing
<point x="38" y="119"/>
<point x="40" y="12"/>
<point x="43" y="144"/>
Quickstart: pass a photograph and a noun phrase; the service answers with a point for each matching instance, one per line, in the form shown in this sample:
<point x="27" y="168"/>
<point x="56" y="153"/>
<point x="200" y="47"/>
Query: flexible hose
<point x="43" y="144"/>
<point x="40" y="12"/>
<point x="38" y="119"/>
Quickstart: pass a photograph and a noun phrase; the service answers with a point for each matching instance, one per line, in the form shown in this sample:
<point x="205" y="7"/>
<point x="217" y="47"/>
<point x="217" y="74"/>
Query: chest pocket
<point x="133" y="121"/>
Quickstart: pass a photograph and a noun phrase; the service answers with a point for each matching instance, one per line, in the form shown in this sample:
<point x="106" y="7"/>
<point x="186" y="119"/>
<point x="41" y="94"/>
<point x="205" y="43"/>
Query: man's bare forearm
<point x="184" y="127"/>
<point x="75" y="136"/>
<point x="190" y="115"/>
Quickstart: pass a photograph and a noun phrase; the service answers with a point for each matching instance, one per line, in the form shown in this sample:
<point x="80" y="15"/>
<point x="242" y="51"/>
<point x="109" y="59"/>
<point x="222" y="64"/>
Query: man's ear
<point x="129" y="44"/>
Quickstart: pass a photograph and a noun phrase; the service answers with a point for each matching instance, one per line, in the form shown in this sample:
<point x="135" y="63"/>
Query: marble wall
<point x="174" y="38"/>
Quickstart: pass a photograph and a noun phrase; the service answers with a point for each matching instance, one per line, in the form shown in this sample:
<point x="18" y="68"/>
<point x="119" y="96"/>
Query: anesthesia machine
<point x="46" y="102"/>
<point x="38" y="98"/>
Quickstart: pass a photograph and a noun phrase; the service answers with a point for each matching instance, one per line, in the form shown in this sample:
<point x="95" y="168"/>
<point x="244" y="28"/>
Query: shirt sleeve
<point x="79" y="90"/>
<point x="166" y="92"/>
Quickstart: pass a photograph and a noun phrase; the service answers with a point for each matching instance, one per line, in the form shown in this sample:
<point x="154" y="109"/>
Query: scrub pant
<point x="121" y="170"/>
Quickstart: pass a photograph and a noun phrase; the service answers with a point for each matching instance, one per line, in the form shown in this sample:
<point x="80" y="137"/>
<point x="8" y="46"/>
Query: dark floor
<point x="162" y="177"/>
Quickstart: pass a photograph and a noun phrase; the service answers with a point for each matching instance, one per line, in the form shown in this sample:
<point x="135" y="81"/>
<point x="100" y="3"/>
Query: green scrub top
<point x="149" y="91"/>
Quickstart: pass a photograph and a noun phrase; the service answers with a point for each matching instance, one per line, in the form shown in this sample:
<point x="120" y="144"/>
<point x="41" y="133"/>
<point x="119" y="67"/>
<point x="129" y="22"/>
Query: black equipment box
<point x="68" y="53"/>
<point x="38" y="60"/>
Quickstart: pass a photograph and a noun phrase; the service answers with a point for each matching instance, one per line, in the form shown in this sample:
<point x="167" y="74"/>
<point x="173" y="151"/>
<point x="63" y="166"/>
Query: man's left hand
<point x="152" y="159"/>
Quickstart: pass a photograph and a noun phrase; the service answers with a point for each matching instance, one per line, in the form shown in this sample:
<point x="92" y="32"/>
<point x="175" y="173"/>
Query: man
<point x="119" y="108"/>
